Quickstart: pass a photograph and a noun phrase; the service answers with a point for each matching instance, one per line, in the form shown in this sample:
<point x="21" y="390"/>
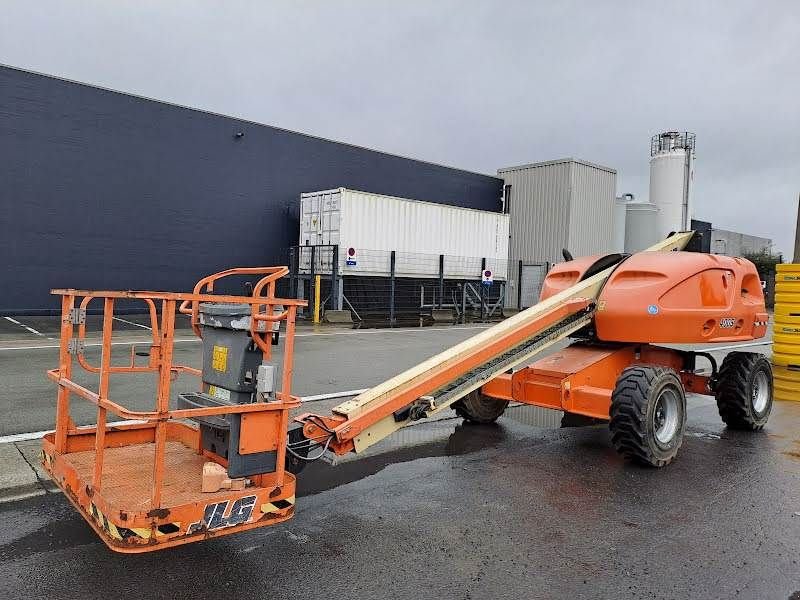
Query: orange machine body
<point x="651" y="298"/>
<point x="673" y="297"/>
<point x="580" y="378"/>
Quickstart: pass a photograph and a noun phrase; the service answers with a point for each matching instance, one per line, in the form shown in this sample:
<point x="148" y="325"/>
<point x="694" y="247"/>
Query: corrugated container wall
<point x="553" y="205"/>
<point x="418" y="232"/>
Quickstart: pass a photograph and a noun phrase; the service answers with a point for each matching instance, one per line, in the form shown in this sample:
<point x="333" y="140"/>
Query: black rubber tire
<point x="633" y="404"/>
<point x="572" y="420"/>
<point x="477" y="408"/>
<point x="734" y="390"/>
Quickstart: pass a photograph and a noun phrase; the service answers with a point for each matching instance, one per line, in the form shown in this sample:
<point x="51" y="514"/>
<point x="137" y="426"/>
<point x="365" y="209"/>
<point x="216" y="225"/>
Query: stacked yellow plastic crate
<point x="786" y="347"/>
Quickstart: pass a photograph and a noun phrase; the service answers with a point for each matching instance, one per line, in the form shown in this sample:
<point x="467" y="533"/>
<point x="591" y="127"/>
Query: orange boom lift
<point x="225" y="459"/>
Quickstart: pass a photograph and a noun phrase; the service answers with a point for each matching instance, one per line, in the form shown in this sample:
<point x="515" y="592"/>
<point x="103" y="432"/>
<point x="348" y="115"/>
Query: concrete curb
<point x="21" y="475"/>
<point x="338" y="317"/>
<point x="21" y="493"/>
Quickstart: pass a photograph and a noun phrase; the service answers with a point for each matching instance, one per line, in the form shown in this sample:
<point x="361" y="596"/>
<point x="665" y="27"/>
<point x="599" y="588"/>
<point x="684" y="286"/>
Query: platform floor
<point x="128" y="475"/>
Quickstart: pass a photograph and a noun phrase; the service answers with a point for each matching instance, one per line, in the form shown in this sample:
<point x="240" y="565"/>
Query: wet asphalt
<point x="458" y="511"/>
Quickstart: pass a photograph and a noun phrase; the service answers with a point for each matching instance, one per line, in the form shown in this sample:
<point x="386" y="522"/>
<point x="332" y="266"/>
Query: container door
<point x="330" y="213"/>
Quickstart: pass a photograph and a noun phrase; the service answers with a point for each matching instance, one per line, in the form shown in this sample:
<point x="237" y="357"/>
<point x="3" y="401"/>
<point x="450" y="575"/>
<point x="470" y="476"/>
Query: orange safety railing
<point x="160" y="361"/>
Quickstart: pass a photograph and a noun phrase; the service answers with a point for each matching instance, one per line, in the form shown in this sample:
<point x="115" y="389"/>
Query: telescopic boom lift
<point x="232" y="466"/>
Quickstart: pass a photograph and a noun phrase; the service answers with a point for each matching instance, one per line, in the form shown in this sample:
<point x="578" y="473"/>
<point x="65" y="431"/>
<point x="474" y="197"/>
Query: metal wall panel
<point x="531" y="284"/>
<point x="105" y="190"/>
<point x="539" y="210"/>
<point x="733" y="243"/>
<point x="554" y="205"/>
<point x="591" y="222"/>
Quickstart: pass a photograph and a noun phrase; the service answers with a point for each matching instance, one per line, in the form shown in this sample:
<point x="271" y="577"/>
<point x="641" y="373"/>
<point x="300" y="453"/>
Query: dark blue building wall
<point x="103" y="190"/>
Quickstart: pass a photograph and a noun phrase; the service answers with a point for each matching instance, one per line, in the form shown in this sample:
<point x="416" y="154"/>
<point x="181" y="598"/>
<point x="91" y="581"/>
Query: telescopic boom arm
<point x="437" y="382"/>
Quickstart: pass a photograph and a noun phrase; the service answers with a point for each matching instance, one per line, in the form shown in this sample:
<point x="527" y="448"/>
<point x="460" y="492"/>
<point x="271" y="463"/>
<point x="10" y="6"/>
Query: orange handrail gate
<point x="138" y="484"/>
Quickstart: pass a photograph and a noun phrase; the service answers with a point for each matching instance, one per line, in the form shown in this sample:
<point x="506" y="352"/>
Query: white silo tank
<point x="618" y="223"/>
<point x="671" y="174"/>
<point x="641" y="226"/>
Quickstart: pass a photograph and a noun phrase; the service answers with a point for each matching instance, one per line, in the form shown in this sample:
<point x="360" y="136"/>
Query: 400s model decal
<point x="214" y="516"/>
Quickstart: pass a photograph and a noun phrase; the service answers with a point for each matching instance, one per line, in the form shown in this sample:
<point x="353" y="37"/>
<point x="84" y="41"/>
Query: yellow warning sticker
<point x="219" y="358"/>
<point x="218" y="392"/>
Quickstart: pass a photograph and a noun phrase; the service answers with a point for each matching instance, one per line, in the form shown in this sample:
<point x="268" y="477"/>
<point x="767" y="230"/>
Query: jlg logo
<point x="727" y="323"/>
<point x="214" y="516"/>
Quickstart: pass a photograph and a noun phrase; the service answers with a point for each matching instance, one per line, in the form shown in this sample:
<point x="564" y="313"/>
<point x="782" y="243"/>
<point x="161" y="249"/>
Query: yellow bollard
<point x="317" y="286"/>
<point x="786" y="333"/>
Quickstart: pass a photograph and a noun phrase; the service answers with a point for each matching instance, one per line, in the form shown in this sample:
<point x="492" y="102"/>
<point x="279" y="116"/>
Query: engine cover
<point x="682" y="298"/>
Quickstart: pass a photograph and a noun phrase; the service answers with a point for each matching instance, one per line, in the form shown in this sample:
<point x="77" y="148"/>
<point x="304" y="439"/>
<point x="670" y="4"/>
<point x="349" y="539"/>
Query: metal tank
<point x="671" y="174"/>
<point x="618" y="226"/>
<point x="641" y="226"/>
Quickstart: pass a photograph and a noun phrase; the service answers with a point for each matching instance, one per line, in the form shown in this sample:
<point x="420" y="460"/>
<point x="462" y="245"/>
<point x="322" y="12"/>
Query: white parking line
<point x="297" y="335"/>
<point x="387" y="330"/>
<point x="90" y="344"/>
<point x="37" y="435"/>
<point x="332" y="396"/>
<point x="31" y="329"/>
<point x="735" y="346"/>
<point x="132" y="323"/>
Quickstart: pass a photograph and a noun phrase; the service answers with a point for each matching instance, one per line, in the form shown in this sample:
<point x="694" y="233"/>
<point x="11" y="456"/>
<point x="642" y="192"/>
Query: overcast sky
<point x="477" y="85"/>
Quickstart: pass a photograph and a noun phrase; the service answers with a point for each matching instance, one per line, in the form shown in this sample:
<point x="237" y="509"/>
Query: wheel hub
<point x="760" y="392"/>
<point x="666" y="416"/>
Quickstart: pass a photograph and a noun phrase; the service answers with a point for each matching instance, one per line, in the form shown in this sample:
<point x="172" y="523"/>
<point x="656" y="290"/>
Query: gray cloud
<point x="478" y="85"/>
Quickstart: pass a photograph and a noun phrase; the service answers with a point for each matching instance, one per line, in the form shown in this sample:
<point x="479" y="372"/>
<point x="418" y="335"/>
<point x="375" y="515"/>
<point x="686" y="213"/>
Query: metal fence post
<point x="441" y="280"/>
<point x="519" y="286"/>
<point x="317" y="286"/>
<point x="391" y="288"/>
<point x="292" y="273"/>
<point x="483" y="290"/>
<point x="336" y="295"/>
<point x="312" y="272"/>
<point x="464" y="302"/>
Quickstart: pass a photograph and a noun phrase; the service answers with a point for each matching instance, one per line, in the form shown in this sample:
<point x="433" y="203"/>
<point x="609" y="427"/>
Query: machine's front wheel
<point x="648" y="415"/>
<point x="478" y="408"/>
<point x="744" y="390"/>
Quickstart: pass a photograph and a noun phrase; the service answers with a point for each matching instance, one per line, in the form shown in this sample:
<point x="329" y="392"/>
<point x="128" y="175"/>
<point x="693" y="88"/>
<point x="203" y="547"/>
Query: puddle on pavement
<point x="67" y="530"/>
<point x="534" y="416"/>
<point x="704" y="435"/>
<point x="794" y="451"/>
<point x="443" y="437"/>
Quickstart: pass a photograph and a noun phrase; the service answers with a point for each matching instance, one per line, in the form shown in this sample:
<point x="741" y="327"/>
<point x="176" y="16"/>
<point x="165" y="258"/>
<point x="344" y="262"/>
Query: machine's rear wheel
<point x="744" y="390"/>
<point x="648" y="415"/>
<point x="477" y="408"/>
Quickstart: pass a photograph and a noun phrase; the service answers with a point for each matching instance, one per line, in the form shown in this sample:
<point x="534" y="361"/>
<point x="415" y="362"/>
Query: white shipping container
<point x="417" y="231"/>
